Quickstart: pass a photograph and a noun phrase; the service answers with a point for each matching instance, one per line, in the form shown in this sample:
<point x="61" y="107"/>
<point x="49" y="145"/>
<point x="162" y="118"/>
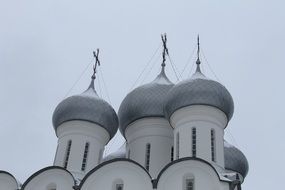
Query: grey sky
<point x="45" y="46"/>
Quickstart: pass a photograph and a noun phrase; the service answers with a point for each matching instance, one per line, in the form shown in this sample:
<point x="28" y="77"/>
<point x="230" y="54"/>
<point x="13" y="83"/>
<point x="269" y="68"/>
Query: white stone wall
<point x="80" y="132"/>
<point x="159" y="134"/>
<point x="203" y="118"/>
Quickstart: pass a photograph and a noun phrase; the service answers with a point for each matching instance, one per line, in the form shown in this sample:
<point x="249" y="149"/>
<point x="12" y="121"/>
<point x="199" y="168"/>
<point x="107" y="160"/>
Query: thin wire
<point x="190" y="72"/>
<point x="105" y="86"/>
<point x="173" y="67"/>
<point x="188" y="60"/>
<point x="78" y="79"/>
<point x="100" y="89"/>
<point x="232" y="137"/>
<point x="151" y="68"/>
<point x="149" y="61"/>
<point x="210" y="66"/>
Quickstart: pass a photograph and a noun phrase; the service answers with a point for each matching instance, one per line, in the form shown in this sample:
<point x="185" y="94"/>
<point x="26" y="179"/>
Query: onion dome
<point x="145" y="101"/>
<point x="199" y="90"/>
<point x="235" y="160"/>
<point x="87" y="106"/>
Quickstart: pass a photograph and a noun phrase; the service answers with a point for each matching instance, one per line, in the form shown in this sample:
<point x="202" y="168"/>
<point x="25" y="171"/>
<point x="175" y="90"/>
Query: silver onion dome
<point x="235" y="160"/>
<point x="87" y="106"/>
<point x="199" y="90"/>
<point x="145" y="101"/>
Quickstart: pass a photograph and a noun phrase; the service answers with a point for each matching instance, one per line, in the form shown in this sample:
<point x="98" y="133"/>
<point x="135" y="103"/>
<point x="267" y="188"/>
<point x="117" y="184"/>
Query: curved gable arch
<point x="174" y="175"/>
<point x="105" y="175"/>
<point x="52" y="175"/>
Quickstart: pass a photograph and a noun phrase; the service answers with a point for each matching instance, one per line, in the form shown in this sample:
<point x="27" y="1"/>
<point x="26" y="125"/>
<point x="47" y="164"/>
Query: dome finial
<point x="97" y="63"/>
<point x="165" y="49"/>
<point x="198" y="62"/>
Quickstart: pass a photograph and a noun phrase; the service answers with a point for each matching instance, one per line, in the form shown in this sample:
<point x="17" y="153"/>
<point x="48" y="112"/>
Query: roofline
<point x="109" y="162"/>
<point x="182" y="160"/>
<point x="43" y="170"/>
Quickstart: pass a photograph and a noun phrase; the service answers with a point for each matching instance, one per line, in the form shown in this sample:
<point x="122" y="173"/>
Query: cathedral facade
<point x="174" y="140"/>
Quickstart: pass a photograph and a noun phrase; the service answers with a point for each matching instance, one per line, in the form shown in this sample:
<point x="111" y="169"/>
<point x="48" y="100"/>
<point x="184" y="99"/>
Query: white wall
<point x="62" y="179"/>
<point x="159" y="134"/>
<point x="204" y="177"/>
<point x="204" y="118"/>
<point x="133" y="177"/>
<point x="80" y="132"/>
<point x="7" y="182"/>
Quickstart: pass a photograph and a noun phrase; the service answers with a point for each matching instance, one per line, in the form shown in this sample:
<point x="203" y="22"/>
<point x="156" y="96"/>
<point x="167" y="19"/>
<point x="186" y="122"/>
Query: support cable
<point x="100" y="89"/>
<point x="174" y="68"/>
<point x="151" y="68"/>
<point x="148" y="63"/>
<point x="105" y="86"/>
<point x="188" y="61"/>
<point x="78" y="79"/>
<point x="210" y="66"/>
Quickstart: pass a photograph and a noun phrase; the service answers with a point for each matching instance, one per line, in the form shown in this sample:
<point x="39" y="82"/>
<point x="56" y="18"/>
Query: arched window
<point x="85" y="155"/>
<point x="194" y="140"/>
<point x="177" y="145"/>
<point x="147" y="156"/>
<point x="188" y="182"/>
<point x="67" y="154"/>
<point x="172" y="154"/>
<point x="213" y="147"/>
<point x="51" y="186"/>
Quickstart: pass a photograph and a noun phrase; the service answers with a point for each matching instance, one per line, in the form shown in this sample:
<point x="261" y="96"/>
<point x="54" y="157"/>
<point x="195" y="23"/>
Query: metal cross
<point x="165" y="49"/>
<point x="97" y="62"/>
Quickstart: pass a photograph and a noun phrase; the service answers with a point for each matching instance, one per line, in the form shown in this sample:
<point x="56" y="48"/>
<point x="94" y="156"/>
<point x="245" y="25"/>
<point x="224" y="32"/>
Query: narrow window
<point x="85" y="155"/>
<point x="147" y="156"/>
<point x="129" y="153"/>
<point x="194" y="136"/>
<point x="177" y="146"/>
<point x="172" y="152"/>
<point x="119" y="186"/>
<point x="213" y="151"/>
<point x="189" y="184"/>
<point x="67" y="154"/>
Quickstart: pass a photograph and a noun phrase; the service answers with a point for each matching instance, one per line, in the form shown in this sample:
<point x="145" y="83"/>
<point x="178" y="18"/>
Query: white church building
<point x="174" y="140"/>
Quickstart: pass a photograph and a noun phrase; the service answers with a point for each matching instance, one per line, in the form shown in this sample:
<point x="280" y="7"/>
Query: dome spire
<point x="162" y="78"/>
<point x="97" y="63"/>
<point x="198" y="62"/>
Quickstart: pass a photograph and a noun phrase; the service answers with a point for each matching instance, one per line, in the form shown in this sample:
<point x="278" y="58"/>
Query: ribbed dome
<point x="87" y="107"/>
<point x="144" y="101"/>
<point x="235" y="160"/>
<point x="199" y="90"/>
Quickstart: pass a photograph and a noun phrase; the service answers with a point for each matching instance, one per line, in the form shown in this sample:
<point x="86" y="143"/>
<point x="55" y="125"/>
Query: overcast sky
<point x="46" y="45"/>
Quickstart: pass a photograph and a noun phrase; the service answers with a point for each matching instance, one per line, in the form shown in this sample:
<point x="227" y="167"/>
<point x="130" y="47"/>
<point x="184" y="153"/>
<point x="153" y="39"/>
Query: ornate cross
<point x="97" y="62"/>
